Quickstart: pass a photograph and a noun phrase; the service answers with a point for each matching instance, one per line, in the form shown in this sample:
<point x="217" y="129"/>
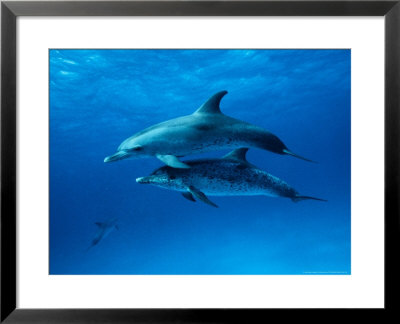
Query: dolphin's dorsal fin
<point x="238" y="154"/>
<point x="211" y="106"/>
<point x="99" y="224"/>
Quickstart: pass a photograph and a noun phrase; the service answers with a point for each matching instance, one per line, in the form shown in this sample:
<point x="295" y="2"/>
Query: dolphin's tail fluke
<point x="287" y="152"/>
<point x="87" y="250"/>
<point x="300" y="198"/>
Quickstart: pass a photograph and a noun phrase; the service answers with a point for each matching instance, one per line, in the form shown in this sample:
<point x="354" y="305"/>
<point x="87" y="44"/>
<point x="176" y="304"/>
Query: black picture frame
<point x="10" y="10"/>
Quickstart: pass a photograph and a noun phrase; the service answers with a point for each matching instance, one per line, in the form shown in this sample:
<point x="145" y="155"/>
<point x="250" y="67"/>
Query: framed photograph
<point x="195" y="161"/>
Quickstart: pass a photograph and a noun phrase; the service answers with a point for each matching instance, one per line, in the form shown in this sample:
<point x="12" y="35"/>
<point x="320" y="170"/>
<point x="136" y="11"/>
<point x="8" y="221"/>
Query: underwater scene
<point x="200" y="162"/>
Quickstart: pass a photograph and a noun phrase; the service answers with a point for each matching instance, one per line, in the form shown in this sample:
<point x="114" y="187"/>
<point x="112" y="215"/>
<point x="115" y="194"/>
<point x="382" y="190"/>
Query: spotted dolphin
<point x="207" y="129"/>
<point x="231" y="175"/>
<point x="103" y="229"/>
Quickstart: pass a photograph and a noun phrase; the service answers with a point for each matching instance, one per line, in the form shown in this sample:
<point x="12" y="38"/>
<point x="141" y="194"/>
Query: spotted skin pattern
<point x="222" y="177"/>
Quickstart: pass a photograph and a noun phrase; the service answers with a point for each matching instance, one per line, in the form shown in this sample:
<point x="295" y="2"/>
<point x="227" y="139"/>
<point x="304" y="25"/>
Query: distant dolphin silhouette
<point x="231" y="175"/>
<point x="207" y="129"/>
<point x="103" y="229"/>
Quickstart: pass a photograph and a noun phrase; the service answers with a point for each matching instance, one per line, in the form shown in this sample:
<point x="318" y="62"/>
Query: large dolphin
<point x="207" y="129"/>
<point x="103" y="229"/>
<point x="231" y="175"/>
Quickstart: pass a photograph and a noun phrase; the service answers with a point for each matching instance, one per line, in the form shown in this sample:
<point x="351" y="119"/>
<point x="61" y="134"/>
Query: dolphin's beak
<point x="117" y="156"/>
<point x="144" y="180"/>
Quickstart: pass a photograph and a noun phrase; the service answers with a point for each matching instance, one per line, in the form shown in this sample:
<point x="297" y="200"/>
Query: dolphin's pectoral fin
<point x="188" y="196"/>
<point x="201" y="196"/>
<point x="172" y="161"/>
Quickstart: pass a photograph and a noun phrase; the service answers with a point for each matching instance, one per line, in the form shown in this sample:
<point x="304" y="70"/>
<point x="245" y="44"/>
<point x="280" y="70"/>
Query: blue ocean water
<point x="98" y="98"/>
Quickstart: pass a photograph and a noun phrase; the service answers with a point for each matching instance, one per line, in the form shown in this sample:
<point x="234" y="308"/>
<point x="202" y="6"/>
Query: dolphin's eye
<point x="136" y="148"/>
